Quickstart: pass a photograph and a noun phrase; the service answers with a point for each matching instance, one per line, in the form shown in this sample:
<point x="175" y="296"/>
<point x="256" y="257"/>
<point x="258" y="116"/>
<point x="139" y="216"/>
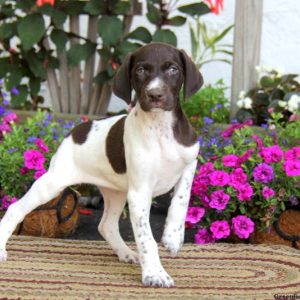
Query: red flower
<point x="215" y="6"/>
<point x="43" y="2"/>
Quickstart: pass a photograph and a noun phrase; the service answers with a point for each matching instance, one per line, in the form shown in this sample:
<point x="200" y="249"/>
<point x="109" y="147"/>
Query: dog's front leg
<point x="153" y="273"/>
<point x="173" y="235"/>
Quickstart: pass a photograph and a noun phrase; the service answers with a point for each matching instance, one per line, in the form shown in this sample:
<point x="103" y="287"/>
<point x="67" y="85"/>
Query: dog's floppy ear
<point x="122" y="81"/>
<point x="193" y="79"/>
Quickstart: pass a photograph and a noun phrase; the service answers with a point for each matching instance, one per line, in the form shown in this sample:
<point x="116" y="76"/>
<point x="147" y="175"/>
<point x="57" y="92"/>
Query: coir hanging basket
<point x="57" y="218"/>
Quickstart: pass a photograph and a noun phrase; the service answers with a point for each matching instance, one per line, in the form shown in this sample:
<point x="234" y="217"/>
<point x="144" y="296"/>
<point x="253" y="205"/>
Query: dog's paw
<point x="157" y="279"/>
<point x="173" y="242"/>
<point x="3" y="255"/>
<point x="128" y="256"/>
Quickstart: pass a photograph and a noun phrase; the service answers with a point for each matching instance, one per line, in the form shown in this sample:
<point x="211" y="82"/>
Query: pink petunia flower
<point x="243" y="158"/>
<point x="259" y="141"/>
<point x="24" y="170"/>
<point x="292" y="168"/>
<point x="39" y="173"/>
<point x="263" y="173"/>
<point x="41" y="145"/>
<point x="292" y="154"/>
<point x="194" y="214"/>
<point x="242" y="226"/>
<point x="6" y="202"/>
<point x="203" y="237"/>
<point x="271" y="154"/>
<point x="231" y="161"/>
<point x="4" y="128"/>
<point x="219" y="200"/>
<point x="267" y="192"/>
<point x="219" y="178"/>
<point x="10" y="118"/>
<point x="237" y="177"/>
<point x="220" y="229"/>
<point x="34" y="159"/>
<point x="245" y="192"/>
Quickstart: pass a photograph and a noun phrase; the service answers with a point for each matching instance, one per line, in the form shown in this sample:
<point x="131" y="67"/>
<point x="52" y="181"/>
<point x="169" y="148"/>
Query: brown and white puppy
<point x="134" y="157"/>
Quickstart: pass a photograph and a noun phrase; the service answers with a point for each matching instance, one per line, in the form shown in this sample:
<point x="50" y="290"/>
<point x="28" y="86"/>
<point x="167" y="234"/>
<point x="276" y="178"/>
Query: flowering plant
<point x="26" y="150"/>
<point x="246" y="177"/>
<point x="275" y="93"/>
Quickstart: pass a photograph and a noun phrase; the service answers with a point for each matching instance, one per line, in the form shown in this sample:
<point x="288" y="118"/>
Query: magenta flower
<point x="219" y="200"/>
<point x="231" y="161"/>
<point x="259" y="141"/>
<point x="4" y="128"/>
<point x="6" y="202"/>
<point x="242" y="226"/>
<point x="24" y="170"/>
<point x="34" y="159"/>
<point x="243" y="158"/>
<point x="206" y="169"/>
<point x="271" y="154"/>
<point x="220" y="229"/>
<point x="39" y="173"/>
<point x="219" y="178"/>
<point x="292" y="154"/>
<point x="41" y="145"/>
<point x="267" y="192"/>
<point x="245" y="192"/>
<point x="203" y="237"/>
<point x="10" y="118"/>
<point x="292" y="168"/>
<point x="205" y="200"/>
<point x="263" y="173"/>
<point x="237" y="177"/>
<point x="194" y="214"/>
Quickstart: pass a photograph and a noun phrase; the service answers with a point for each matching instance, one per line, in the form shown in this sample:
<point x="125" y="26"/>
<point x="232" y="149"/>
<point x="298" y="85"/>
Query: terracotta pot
<point x="57" y="218"/>
<point x="286" y="231"/>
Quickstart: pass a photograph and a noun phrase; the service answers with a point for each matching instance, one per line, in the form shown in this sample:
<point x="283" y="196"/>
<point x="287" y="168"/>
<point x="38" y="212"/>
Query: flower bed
<point x="245" y="179"/>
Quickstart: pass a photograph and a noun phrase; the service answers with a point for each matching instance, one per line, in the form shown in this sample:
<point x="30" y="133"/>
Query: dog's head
<point x="156" y="72"/>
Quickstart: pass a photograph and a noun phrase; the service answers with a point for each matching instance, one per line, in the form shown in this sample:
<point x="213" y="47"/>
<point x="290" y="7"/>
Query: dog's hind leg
<point x="114" y="203"/>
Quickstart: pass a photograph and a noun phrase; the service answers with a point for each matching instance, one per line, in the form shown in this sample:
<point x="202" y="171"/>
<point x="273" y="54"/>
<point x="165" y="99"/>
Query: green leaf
<point x="80" y="52"/>
<point x="177" y="21"/>
<point x="101" y="77"/>
<point x="14" y="77"/>
<point x="35" y="86"/>
<point x="53" y="62"/>
<point x="36" y="64"/>
<point x="4" y="66"/>
<point x="124" y="48"/>
<point x="195" y="9"/>
<point x="7" y="30"/>
<point x="165" y="36"/>
<point x="8" y="10"/>
<point x="59" y="38"/>
<point x="110" y="29"/>
<point x="195" y="43"/>
<point x="20" y="99"/>
<point x="220" y="36"/>
<point x="121" y="7"/>
<point x="95" y="7"/>
<point x="74" y="8"/>
<point x="268" y="82"/>
<point x="58" y="17"/>
<point x="31" y="28"/>
<point x="25" y="5"/>
<point x="154" y="14"/>
<point x="140" y="34"/>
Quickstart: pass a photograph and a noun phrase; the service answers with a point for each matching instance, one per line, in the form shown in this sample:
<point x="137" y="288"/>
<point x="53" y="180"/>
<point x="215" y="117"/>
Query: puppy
<point x="134" y="158"/>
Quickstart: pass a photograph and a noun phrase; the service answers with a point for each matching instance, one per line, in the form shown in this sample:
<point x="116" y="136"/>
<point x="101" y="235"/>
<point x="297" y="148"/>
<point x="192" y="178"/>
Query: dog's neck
<point x="153" y="117"/>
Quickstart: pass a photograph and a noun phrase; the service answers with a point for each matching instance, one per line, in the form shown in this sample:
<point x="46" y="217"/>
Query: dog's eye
<point x="172" y="70"/>
<point x="140" y="71"/>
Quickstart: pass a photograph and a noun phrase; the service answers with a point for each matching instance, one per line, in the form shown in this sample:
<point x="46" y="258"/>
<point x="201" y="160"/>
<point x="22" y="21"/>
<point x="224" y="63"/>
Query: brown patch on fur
<point x="115" y="147"/>
<point x="183" y="131"/>
<point x="80" y="132"/>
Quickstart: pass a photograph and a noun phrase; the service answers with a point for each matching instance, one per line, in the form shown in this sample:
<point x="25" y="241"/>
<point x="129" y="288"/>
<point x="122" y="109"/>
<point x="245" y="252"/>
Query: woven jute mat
<point x="67" y="269"/>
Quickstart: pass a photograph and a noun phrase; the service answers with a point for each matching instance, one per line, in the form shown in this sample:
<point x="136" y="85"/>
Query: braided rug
<point x="40" y="268"/>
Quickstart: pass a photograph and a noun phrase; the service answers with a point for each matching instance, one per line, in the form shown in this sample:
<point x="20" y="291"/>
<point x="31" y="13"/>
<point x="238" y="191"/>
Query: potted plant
<point x="25" y="151"/>
<point x="247" y="177"/>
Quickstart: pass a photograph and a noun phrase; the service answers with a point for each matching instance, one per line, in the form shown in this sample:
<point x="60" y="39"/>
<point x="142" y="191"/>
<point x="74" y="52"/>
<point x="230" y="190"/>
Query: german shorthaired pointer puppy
<point x="134" y="157"/>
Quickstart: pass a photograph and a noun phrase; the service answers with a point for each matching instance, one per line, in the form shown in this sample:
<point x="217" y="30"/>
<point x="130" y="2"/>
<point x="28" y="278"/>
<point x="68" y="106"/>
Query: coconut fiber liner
<point x="40" y="268"/>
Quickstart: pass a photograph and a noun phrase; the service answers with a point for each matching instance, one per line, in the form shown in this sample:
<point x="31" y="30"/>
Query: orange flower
<point x="215" y="6"/>
<point x="42" y="2"/>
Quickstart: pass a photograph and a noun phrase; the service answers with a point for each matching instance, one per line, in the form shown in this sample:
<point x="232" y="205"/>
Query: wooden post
<point x="247" y="41"/>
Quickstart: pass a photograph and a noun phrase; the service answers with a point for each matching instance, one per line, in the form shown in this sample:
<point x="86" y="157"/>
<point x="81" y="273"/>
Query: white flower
<point x="245" y="103"/>
<point x="242" y="94"/>
<point x="294" y="103"/>
<point x="282" y="104"/>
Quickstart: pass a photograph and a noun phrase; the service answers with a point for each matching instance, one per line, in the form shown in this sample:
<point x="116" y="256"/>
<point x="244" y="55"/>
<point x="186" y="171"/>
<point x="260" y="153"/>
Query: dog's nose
<point x="155" y="95"/>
